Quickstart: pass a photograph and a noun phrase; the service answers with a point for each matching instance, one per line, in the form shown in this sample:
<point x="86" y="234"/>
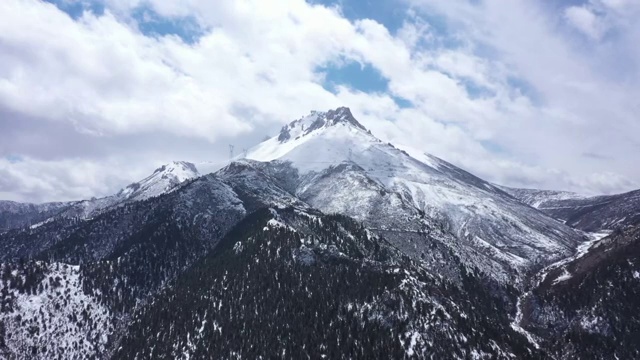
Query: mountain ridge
<point x="335" y="245"/>
<point x="380" y="181"/>
<point x="387" y="189"/>
<point x="587" y="213"/>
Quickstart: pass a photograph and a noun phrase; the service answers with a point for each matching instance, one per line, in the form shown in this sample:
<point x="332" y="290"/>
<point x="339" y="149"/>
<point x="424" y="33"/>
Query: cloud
<point x="39" y="180"/>
<point x="585" y="20"/>
<point x="102" y="76"/>
<point x="112" y="94"/>
<point x="577" y="97"/>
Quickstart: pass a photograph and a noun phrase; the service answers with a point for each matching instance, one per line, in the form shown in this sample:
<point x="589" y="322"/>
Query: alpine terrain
<point x="323" y="242"/>
<point x="586" y="213"/>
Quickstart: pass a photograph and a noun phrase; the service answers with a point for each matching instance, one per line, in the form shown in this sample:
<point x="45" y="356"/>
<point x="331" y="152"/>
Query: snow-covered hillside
<point x="46" y="314"/>
<point x="345" y="169"/>
<point x="301" y="285"/>
<point x="326" y="243"/>
<point x="539" y="198"/>
<point x="591" y="214"/>
<point x="15" y="215"/>
<point x="329" y="161"/>
<point x="163" y="180"/>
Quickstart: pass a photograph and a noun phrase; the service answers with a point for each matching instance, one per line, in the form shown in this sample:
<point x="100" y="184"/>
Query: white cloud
<point x="133" y="101"/>
<point x="580" y="97"/>
<point x="103" y="76"/>
<point x="585" y="20"/>
<point x="37" y="180"/>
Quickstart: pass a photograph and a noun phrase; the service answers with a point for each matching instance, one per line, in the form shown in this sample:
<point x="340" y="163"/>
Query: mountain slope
<point x="292" y="284"/>
<point x="591" y="214"/>
<point x="265" y="259"/>
<point x="163" y="180"/>
<point x="343" y="168"/>
<point x="586" y="307"/>
<point x="120" y="259"/>
<point x="140" y="264"/>
<point x="16" y="215"/>
<point x="540" y="198"/>
<point x="45" y="314"/>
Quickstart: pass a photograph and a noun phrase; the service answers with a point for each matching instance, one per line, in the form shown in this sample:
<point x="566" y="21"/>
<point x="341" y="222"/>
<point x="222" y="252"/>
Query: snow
<point x="238" y="247"/>
<point x="37" y="225"/>
<point x="331" y="147"/>
<point x="164" y="179"/>
<point x="590" y="323"/>
<point x="500" y="254"/>
<point x="420" y="155"/>
<point x="565" y="276"/>
<point x="537" y="198"/>
<point x="414" y="336"/>
<point x="420" y="181"/>
<point x="582" y="250"/>
<point x="515" y="325"/>
<point x="595" y="236"/>
<point x="50" y="311"/>
<point x="273" y="223"/>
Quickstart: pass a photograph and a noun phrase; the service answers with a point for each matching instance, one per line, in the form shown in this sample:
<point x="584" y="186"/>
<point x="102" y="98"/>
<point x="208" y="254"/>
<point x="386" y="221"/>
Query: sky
<point x="96" y="94"/>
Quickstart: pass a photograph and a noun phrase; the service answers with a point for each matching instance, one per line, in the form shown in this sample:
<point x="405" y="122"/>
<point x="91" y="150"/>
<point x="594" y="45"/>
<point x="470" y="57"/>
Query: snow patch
<point x="565" y="276"/>
<point x="58" y="318"/>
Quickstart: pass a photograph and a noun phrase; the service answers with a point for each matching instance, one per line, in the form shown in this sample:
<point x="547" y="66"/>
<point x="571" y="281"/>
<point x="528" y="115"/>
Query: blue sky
<point x="526" y="93"/>
<point x="146" y="19"/>
<point x="75" y="9"/>
<point x="388" y="13"/>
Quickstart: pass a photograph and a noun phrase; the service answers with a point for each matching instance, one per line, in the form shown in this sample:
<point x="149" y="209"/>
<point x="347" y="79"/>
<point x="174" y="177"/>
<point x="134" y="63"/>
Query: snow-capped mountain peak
<point x="317" y="141"/>
<point x="345" y="169"/>
<point x="162" y="180"/>
<point x="318" y="120"/>
<point x="181" y="170"/>
<point x="341" y="115"/>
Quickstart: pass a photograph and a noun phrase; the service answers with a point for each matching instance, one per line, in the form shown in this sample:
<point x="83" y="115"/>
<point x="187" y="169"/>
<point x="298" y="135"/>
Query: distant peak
<point x="175" y="172"/>
<point x="343" y="115"/>
<point x="163" y="179"/>
<point x="177" y="165"/>
<point x="317" y="120"/>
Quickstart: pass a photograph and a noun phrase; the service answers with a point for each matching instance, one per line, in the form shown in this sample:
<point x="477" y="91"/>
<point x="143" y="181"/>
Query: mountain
<point x="541" y="198"/>
<point x="236" y="253"/>
<point x="587" y="304"/>
<point x="15" y="215"/>
<point x="112" y="264"/>
<point x="301" y="285"/>
<point x="163" y="180"/>
<point x="324" y="243"/>
<point x="343" y="168"/>
<point x="591" y="214"/>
